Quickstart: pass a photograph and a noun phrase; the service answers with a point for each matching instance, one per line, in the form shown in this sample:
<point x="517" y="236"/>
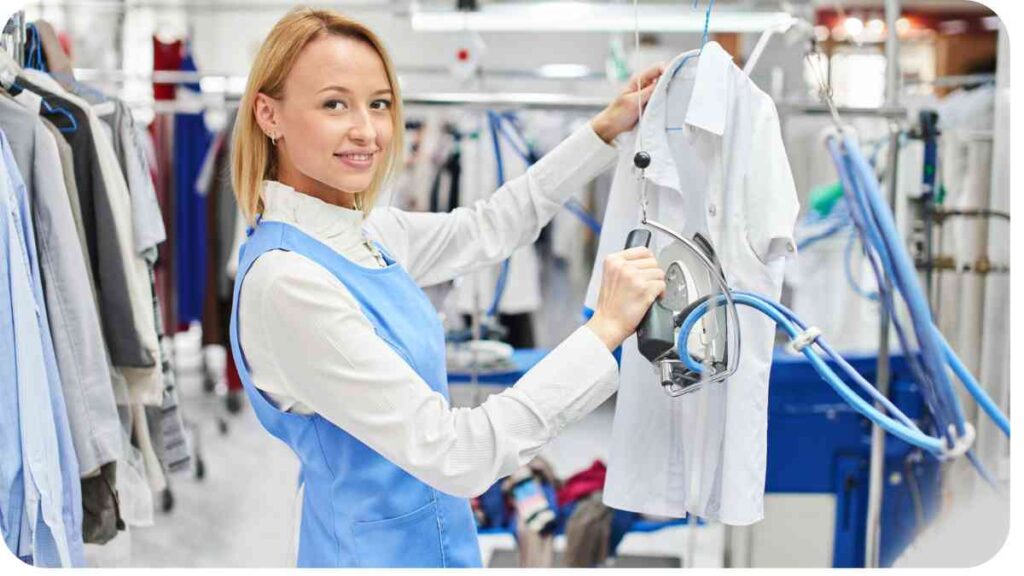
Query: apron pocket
<point x="411" y="540"/>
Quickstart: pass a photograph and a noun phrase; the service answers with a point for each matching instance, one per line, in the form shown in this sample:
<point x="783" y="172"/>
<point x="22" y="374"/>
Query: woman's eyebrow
<point x="335" y="87"/>
<point x="347" y="91"/>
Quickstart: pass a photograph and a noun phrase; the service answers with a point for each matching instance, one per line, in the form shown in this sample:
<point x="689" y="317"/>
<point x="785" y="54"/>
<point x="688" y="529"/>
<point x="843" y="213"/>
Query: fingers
<point x="645" y="94"/>
<point x="636" y="253"/>
<point x="648" y="76"/>
<point x="651" y="274"/>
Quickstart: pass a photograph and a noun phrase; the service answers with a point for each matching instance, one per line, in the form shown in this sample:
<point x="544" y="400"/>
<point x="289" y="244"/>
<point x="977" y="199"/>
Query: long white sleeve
<point x="304" y="333"/>
<point x="435" y="247"/>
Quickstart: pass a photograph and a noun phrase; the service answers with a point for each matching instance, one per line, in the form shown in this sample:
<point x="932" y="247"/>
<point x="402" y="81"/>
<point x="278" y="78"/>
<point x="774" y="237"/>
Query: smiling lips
<point x="356" y="160"/>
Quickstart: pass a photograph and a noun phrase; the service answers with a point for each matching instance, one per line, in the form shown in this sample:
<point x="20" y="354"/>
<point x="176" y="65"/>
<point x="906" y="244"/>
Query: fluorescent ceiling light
<point x="564" y="71"/>
<point x="584" y="17"/>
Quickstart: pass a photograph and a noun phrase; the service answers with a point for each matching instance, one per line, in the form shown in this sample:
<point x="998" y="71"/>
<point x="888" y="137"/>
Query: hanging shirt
<point x="292" y="310"/>
<point x="51" y="515"/>
<point x="718" y="167"/>
<point x="479" y="177"/>
<point x="145" y="381"/>
<point x="74" y="320"/>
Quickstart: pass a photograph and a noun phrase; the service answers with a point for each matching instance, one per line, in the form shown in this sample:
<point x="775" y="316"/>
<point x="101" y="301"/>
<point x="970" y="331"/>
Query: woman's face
<point x="334" y="122"/>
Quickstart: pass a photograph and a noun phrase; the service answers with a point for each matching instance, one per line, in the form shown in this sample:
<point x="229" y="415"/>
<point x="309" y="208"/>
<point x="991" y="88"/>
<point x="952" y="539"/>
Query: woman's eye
<point x="381" y="104"/>
<point x="334" y="104"/>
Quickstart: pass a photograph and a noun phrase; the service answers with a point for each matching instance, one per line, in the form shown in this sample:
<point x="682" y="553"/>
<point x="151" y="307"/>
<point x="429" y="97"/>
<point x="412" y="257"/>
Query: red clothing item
<point x="582" y="483"/>
<point x="234" y="380"/>
<point x="166" y="56"/>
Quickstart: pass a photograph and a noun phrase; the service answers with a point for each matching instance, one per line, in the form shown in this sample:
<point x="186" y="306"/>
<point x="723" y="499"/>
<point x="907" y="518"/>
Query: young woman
<point x="341" y="353"/>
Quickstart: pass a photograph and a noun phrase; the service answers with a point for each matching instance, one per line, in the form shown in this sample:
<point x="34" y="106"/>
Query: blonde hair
<point x="252" y="157"/>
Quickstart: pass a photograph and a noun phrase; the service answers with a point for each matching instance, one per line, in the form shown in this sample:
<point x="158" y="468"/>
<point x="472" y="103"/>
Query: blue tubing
<point x="979" y="394"/>
<point x="905" y="277"/>
<point x="899" y="428"/>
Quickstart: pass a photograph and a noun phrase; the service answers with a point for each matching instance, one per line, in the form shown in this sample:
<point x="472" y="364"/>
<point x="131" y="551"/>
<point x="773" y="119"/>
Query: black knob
<point x="642" y="160"/>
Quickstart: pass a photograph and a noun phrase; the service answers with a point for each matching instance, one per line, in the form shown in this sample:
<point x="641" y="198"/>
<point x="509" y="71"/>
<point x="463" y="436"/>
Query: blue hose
<point x="979" y="394"/>
<point x="902" y="427"/>
<point x="878" y="256"/>
<point x="904" y="276"/>
<point x="494" y="121"/>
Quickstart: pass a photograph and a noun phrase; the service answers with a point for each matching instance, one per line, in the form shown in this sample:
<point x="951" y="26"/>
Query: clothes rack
<point x="14" y="36"/>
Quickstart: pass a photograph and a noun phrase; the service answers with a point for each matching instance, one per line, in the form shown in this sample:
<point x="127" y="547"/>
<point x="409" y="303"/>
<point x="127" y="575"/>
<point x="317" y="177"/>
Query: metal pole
<point x="876" y="485"/>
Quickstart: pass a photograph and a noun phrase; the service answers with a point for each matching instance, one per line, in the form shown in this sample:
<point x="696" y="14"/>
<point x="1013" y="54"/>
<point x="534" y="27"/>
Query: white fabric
<point x="478" y="178"/>
<point x="718" y="166"/>
<point x="310" y="345"/>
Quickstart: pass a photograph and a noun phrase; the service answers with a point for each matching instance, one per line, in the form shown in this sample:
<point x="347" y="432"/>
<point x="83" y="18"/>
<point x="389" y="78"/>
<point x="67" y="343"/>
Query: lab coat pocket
<point x="411" y="540"/>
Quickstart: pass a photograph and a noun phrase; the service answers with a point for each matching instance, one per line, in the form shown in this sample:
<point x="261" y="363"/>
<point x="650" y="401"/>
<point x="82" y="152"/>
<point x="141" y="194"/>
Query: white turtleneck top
<point x="310" y="348"/>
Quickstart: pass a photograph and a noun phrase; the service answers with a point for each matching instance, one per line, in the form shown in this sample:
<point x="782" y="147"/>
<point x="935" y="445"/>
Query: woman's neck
<point x="311" y="187"/>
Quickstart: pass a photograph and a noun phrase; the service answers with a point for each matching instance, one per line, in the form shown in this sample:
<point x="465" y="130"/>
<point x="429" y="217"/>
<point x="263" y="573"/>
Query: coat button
<point x="712" y="209"/>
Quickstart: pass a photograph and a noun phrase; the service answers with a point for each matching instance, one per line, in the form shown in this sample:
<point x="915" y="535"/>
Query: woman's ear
<point x="266" y="115"/>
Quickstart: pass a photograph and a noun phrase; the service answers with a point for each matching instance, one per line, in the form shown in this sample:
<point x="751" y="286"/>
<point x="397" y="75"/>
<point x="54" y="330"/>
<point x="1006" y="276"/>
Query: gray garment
<point x="67" y="164"/>
<point x="165" y="421"/>
<point x="74" y="321"/>
<point x="587" y="533"/>
<point x="167" y="426"/>
<point x="112" y="272"/>
<point x="227" y="214"/>
<point x="147" y="221"/>
<point x="101" y="518"/>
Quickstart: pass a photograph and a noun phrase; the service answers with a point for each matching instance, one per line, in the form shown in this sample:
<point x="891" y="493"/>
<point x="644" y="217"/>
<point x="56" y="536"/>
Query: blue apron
<point x="359" y="509"/>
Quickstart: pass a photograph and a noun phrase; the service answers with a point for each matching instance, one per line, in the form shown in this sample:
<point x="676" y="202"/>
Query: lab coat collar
<point x="706" y="110"/>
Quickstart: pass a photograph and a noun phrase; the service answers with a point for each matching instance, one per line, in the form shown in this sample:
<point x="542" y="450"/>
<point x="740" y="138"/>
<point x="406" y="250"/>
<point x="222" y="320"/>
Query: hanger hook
<point x="707" y="22"/>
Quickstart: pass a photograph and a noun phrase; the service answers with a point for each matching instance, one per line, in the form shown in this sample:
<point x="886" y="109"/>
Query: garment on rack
<point x="719" y="168"/>
<point x="479" y="178"/>
<point x="145" y="382"/>
<point x="67" y="164"/>
<point x="444" y="193"/>
<point x="101" y="518"/>
<point x="148" y="227"/>
<point x="158" y="144"/>
<point x="191" y="142"/>
<point x="214" y="184"/>
<point x="74" y="320"/>
<point x="147" y="221"/>
<point x="167" y="56"/>
<point x="106" y="215"/>
<point x="56" y="59"/>
<point x="433" y="148"/>
<point x="40" y="470"/>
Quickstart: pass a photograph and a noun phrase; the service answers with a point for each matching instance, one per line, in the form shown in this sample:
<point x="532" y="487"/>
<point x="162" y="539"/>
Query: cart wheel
<point x="200" y="468"/>
<point x="209" y="384"/>
<point x="234" y="402"/>
<point x="168" y="500"/>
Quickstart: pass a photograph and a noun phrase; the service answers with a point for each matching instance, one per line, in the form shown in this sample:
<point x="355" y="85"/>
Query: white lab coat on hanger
<point x="718" y="167"/>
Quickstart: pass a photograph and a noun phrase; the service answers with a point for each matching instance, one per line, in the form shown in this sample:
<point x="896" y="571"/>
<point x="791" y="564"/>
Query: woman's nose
<point x="362" y="129"/>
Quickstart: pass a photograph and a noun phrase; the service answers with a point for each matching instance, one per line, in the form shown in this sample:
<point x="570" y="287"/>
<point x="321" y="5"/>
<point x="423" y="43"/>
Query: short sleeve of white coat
<point x="769" y="192"/>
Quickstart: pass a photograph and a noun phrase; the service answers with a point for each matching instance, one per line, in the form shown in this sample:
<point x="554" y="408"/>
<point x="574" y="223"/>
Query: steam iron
<point x="692" y="275"/>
